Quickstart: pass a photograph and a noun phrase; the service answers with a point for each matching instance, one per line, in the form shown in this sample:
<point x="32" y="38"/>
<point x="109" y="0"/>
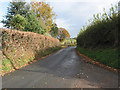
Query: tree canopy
<point x="63" y="34"/>
<point x="34" y="24"/>
<point x="18" y="22"/>
<point x="15" y="7"/>
<point x="54" y="30"/>
<point x="36" y="17"/>
<point x="45" y="12"/>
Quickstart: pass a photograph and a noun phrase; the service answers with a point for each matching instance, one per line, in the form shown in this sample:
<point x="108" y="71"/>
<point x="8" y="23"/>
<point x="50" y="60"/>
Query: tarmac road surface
<point x="63" y="69"/>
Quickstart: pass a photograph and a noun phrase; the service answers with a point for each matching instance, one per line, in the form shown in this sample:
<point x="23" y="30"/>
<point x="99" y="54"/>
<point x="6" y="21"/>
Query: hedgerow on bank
<point x="101" y="38"/>
<point x="102" y="32"/>
<point x="19" y="48"/>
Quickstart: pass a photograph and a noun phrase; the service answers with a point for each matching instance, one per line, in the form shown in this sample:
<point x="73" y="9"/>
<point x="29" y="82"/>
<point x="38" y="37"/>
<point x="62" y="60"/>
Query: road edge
<point x="34" y="61"/>
<point x="86" y="59"/>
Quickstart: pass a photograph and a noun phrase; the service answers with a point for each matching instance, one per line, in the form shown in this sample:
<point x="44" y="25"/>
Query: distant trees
<point x="101" y="32"/>
<point x="63" y="34"/>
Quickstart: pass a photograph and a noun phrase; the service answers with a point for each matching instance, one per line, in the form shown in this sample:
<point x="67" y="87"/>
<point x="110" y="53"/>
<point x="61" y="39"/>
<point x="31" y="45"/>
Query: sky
<point x="71" y="14"/>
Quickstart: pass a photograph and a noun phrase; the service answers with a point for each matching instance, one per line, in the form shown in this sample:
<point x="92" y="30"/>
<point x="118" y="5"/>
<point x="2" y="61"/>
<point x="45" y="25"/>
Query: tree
<point x="34" y="24"/>
<point x="18" y="22"/>
<point x="44" y="11"/>
<point x="15" y="7"/>
<point x="54" y="30"/>
<point x="63" y="34"/>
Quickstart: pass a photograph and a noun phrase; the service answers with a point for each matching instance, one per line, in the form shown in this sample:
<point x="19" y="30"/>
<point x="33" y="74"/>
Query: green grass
<point x="6" y="65"/>
<point x="46" y="52"/>
<point x="107" y="57"/>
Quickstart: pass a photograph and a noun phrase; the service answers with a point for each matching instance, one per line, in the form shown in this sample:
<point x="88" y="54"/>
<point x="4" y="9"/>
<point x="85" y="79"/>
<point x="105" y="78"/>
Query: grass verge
<point x="107" y="57"/>
<point x="8" y="67"/>
<point x="46" y="52"/>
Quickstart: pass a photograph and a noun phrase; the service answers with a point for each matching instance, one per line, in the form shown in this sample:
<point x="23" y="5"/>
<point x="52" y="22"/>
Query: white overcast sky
<point x="71" y="14"/>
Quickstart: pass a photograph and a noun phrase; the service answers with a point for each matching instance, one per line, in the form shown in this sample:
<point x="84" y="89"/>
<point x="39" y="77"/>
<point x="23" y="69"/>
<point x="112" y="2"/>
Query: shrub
<point x="101" y="32"/>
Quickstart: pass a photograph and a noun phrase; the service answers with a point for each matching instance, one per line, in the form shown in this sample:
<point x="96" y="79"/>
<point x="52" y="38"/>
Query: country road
<point x="63" y="69"/>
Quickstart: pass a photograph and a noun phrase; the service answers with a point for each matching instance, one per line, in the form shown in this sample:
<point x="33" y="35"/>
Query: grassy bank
<point x="9" y="65"/>
<point x="46" y="52"/>
<point x="107" y="57"/>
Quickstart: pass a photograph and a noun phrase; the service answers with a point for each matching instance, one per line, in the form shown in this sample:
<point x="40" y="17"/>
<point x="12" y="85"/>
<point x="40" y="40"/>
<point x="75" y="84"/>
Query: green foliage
<point x="15" y="7"/>
<point x="6" y="65"/>
<point x="34" y="24"/>
<point x="101" y="32"/>
<point x="69" y="42"/>
<point x="18" y="22"/>
<point x="20" y="16"/>
<point x="35" y="17"/>
<point x="43" y="11"/>
<point x="54" y="31"/>
<point x="107" y="57"/>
